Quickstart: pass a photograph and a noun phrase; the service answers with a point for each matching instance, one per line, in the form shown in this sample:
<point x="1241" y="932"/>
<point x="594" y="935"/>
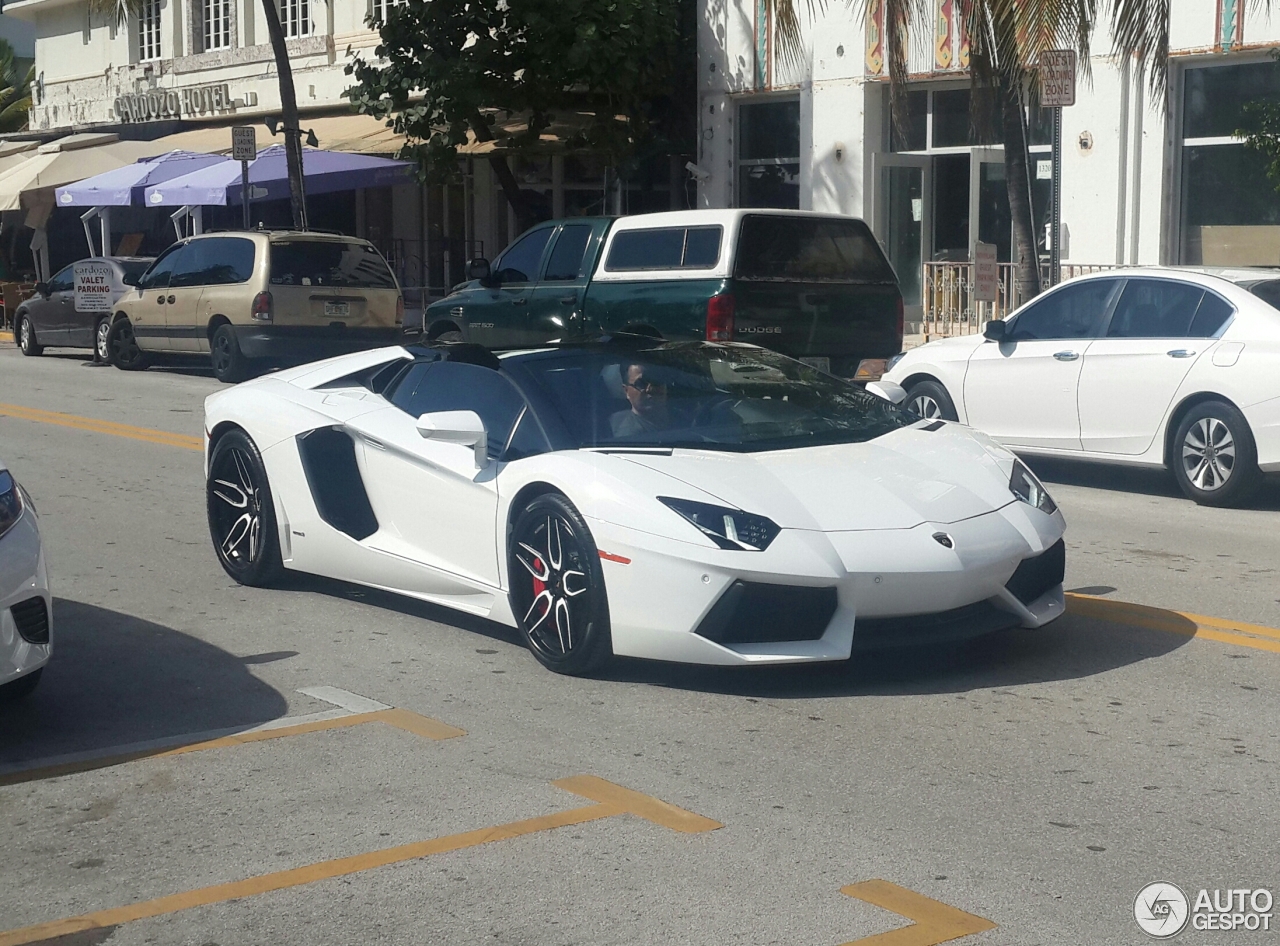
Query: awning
<point x="65" y="161"/>
<point x="125" y="186"/>
<point x="354" y="134"/>
<point x="324" y="171"/>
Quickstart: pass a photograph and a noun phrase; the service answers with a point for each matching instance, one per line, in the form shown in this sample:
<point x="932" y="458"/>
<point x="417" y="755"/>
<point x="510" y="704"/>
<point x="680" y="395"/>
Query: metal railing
<point x="947" y="295"/>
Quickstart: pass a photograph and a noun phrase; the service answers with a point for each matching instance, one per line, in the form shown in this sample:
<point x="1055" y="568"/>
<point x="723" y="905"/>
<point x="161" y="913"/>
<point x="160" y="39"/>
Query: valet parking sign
<point x="93" y="287"/>
<point x="1163" y="910"/>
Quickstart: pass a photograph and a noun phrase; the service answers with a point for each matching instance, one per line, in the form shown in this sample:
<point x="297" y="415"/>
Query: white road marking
<point x="345" y="698"/>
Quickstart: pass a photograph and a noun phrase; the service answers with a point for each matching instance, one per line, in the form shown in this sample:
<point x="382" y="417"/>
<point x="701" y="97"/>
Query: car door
<point x="497" y="314"/>
<point x="197" y="264"/>
<point x="436" y="507"/>
<point x="555" y="307"/>
<point x="1022" y="391"/>
<point x="227" y="266"/>
<point x="1159" y="329"/>
<point x="150" y="326"/>
<point x="51" y="314"/>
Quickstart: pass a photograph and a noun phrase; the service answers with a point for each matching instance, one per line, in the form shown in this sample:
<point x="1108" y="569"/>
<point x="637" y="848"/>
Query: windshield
<point x="1268" y="292"/>
<point x="695" y="394"/>
<point x="134" y="267"/>
<point x="328" y="263"/>
<point x="809" y="249"/>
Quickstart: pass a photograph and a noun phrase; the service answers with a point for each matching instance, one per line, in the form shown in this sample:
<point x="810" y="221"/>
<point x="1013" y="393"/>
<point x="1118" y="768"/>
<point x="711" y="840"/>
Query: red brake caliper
<point x="538" y="584"/>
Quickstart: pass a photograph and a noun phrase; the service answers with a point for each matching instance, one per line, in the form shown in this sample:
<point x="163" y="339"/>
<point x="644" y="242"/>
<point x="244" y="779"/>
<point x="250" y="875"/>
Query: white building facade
<point x="1140" y="183"/>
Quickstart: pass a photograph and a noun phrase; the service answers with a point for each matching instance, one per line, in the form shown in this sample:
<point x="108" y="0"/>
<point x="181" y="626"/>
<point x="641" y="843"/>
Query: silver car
<point x="49" y="318"/>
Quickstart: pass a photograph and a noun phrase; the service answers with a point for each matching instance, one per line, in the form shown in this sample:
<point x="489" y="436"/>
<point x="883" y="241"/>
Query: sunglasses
<point x="644" y="385"/>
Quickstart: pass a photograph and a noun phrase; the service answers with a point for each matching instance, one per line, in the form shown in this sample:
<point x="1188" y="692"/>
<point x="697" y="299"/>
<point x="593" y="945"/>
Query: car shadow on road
<point x="116" y="680"/>
<point x="1126" y="479"/>
<point x="1073" y="647"/>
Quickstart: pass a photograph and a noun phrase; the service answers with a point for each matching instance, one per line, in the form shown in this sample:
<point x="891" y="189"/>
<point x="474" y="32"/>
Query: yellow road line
<point x="934" y="922"/>
<point x="630" y="803"/>
<point x="146" y="434"/>
<point x="1237" y="633"/>
<point x="399" y="718"/>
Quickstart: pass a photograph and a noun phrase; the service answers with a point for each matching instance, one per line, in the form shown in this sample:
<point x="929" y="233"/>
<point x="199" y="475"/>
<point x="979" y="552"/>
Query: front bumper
<point x="891" y="587"/>
<point x="297" y="344"/>
<point x="24" y="583"/>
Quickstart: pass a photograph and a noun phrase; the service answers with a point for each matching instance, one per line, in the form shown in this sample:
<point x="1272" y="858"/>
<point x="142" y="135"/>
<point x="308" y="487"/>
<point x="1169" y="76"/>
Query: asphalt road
<point x="1037" y="780"/>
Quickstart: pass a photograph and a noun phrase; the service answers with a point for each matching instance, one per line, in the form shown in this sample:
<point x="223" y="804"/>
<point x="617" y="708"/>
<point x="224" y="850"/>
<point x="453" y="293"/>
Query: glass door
<point x="902" y="220"/>
<point x="989" y="218"/>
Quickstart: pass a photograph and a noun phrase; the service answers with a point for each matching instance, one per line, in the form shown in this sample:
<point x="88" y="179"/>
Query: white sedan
<point x="1147" y="367"/>
<point x="26" y="638"/>
<point x="708" y="503"/>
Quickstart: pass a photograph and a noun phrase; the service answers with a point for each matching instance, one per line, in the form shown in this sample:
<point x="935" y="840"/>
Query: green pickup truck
<point x="813" y="286"/>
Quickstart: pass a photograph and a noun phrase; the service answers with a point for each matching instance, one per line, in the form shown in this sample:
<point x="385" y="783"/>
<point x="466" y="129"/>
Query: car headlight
<point x="1025" y="486"/>
<point x="888" y="365"/>
<point x="10" y="502"/>
<point x="728" y="528"/>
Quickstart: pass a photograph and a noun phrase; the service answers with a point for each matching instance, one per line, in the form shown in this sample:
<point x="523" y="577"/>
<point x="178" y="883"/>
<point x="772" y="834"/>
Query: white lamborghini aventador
<point x="710" y="503"/>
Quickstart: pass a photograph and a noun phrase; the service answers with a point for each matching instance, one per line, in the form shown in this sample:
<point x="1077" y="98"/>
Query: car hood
<point x="897" y="481"/>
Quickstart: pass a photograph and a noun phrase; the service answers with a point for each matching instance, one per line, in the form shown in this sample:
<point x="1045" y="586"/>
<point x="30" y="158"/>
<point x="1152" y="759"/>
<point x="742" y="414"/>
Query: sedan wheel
<point x="101" y="334"/>
<point x="557" y="587"/>
<point x="929" y="400"/>
<point x="27" y="338"/>
<point x="242" y="520"/>
<point x="1214" y="458"/>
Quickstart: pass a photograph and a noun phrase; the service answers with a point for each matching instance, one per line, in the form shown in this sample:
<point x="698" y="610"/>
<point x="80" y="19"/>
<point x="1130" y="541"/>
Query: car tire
<point x="101" y="335"/>
<point x="1213" y="455"/>
<point x="230" y="366"/>
<point x="27" y="337"/>
<point x="21" y="687"/>
<point x="557" y="587"/>
<point x="123" y="347"/>
<point x="241" y="512"/>
<point x="929" y="400"/>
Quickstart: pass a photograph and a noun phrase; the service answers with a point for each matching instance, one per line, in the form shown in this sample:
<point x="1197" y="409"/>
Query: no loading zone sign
<point x="1162" y="909"/>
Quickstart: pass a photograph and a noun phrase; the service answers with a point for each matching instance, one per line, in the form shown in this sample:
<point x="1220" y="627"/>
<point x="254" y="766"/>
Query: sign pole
<point x="1055" y="203"/>
<point x="244" y="190"/>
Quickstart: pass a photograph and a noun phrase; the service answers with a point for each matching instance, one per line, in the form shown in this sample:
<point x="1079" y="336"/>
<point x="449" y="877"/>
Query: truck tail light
<point x="262" y="307"/>
<point x="720" y="318"/>
<point x="399" y="310"/>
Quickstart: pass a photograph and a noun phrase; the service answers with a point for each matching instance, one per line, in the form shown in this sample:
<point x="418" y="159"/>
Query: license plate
<point x="822" y="364"/>
<point x="337" y="310"/>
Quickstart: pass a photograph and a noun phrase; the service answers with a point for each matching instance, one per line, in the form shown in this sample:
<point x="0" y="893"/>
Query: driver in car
<point x="647" y="394"/>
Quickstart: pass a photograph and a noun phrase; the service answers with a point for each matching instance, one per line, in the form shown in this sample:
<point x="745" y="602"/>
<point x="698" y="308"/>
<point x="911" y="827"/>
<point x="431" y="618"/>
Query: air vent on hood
<point x="936" y="425"/>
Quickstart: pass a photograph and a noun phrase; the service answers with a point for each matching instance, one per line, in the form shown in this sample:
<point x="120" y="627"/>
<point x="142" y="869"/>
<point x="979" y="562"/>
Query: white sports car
<point x="26" y="634"/>
<point x="709" y="503"/>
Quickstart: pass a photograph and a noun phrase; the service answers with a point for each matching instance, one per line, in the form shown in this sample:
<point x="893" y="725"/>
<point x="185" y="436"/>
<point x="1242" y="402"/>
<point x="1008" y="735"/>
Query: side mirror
<point x="997" y="330"/>
<point x="479" y="268"/>
<point x="891" y="392"/>
<point x="464" y="428"/>
<point x="129" y="279"/>
<point x="43" y="289"/>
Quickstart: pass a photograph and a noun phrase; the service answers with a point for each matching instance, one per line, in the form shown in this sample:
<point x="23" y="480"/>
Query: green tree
<point x="15" y="94"/>
<point x="1006" y="38"/>
<point x="621" y="70"/>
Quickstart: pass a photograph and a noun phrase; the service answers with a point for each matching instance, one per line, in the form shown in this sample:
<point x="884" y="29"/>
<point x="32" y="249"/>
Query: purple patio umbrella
<point x="324" y="172"/>
<point x="125" y="186"/>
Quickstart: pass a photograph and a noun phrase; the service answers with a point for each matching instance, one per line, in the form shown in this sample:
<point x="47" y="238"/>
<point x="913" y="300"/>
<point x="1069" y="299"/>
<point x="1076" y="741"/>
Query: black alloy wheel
<point x="122" y="347"/>
<point x="242" y="520"/>
<point x="557" y="587"/>
<point x="101" y="336"/>
<point x="230" y="366"/>
<point x="929" y="400"/>
<point x="27" y="337"/>
<point x="1214" y="458"/>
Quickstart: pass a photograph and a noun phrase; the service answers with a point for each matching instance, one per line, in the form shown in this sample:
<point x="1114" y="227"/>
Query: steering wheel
<point x="704" y="415"/>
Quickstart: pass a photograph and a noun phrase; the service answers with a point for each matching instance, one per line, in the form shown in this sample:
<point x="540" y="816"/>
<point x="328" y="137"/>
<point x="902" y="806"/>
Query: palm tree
<point x="123" y="9"/>
<point x="15" y="96"/>
<point x="1006" y="38"/>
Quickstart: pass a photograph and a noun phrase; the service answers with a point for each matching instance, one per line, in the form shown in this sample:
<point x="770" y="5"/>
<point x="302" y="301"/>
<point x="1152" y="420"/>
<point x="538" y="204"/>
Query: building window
<point x="295" y="17"/>
<point x="1230" y="210"/>
<point x="769" y="154"/>
<point x="215" y="24"/>
<point x="149" y="30"/>
<point x="382" y="7"/>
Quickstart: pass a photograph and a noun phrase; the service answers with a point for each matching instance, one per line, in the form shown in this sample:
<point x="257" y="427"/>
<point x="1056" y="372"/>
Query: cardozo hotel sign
<point x="156" y="104"/>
